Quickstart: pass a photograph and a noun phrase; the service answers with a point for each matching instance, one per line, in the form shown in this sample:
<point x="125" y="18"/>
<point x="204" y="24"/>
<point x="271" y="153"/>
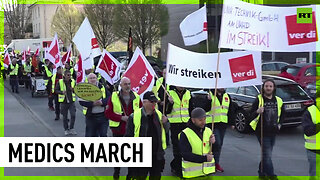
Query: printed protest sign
<point x="198" y="70"/>
<point x="265" y="28"/>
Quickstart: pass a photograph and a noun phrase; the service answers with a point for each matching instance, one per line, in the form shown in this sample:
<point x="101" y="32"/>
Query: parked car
<point x="273" y="68"/>
<point x="117" y="54"/>
<point x="311" y="89"/>
<point x="304" y="73"/>
<point x="295" y="101"/>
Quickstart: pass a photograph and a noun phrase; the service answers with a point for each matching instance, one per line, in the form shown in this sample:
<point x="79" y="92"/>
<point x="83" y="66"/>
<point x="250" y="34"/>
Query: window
<point x="281" y="65"/>
<point x="291" y="92"/>
<point x="241" y="90"/>
<point x="251" y="91"/>
<point x="231" y="90"/>
<point x="269" y="67"/>
<point x="293" y="70"/>
<point x="311" y="71"/>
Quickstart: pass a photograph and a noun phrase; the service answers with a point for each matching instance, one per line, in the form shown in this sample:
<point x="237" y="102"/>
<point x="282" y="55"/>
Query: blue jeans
<point x="96" y="125"/>
<point x="314" y="161"/>
<point x="219" y="133"/>
<point x="268" y="143"/>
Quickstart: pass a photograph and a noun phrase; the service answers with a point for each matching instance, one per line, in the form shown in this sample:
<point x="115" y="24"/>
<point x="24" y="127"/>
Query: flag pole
<point x="214" y="97"/>
<point x="164" y="88"/>
<point x="261" y="115"/>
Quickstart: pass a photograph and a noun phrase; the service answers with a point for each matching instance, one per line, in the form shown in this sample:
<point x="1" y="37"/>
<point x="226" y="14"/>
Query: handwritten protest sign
<point x="88" y="92"/>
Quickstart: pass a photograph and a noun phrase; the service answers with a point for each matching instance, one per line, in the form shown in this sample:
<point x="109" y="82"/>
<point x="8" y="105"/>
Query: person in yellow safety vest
<point x="311" y="128"/>
<point x="13" y="73"/>
<point x="47" y="74"/>
<point x="27" y="74"/>
<point x="159" y="91"/>
<point x="54" y="81"/>
<point x="223" y="116"/>
<point x="177" y="111"/>
<point x="148" y="122"/>
<point x="270" y="107"/>
<point x="195" y="142"/>
<point x="67" y="97"/>
<point x="96" y="122"/>
<point x="121" y="104"/>
<point x="67" y="66"/>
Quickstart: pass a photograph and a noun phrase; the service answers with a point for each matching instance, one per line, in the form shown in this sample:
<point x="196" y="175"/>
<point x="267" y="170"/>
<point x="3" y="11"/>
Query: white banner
<point x="194" y="27"/>
<point x="265" y="28"/>
<point x="75" y="152"/>
<point x="198" y="70"/>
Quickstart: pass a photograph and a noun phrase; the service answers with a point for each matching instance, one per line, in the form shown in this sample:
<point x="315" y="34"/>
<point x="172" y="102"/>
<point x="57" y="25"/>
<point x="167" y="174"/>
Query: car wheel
<point x="240" y="122"/>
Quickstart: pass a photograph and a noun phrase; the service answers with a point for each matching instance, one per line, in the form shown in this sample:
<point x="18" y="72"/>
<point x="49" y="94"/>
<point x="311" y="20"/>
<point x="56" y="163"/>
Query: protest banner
<point x="265" y="28"/>
<point x="197" y="70"/>
<point x="88" y="92"/>
<point x="6" y="60"/>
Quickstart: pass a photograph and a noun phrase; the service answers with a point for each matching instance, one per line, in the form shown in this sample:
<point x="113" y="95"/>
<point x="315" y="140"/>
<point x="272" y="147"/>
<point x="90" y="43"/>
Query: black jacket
<point x="185" y="147"/>
<point x="146" y="131"/>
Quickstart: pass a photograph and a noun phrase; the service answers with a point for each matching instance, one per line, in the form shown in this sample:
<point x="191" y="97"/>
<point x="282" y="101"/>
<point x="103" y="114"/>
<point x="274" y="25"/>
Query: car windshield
<point x="291" y="92"/>
<point x="293" y="70"/>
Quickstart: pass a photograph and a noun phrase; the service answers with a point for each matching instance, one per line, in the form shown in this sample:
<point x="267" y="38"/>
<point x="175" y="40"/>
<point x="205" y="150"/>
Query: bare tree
<point x="66" y="22"/>
<point x="148" y="22"/>
<point x="101" y="17"/>
<point x="17" y="15"/>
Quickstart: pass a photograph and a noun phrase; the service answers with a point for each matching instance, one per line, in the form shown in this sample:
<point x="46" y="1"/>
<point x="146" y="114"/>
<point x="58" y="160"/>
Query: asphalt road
<point x="29" y="117"/>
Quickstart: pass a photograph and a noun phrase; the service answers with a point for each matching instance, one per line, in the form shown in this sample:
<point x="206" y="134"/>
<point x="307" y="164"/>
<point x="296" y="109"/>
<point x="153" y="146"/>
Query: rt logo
<point x="304" y="15"/>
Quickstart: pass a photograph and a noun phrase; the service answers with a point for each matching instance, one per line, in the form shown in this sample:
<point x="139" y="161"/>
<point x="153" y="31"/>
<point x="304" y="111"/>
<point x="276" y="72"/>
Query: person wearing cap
<point x="47" y="74"/>
<point x="121" y="104"/>
<point x="148" y="122"/>
<point x="177" y="111"/>
<point x="223" y="115"/>
<point x="195" y="142"/>
<point x="311" y="129"/>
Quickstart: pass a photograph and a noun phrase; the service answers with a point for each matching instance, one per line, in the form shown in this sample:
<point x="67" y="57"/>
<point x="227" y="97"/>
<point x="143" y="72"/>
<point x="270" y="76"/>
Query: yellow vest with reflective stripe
<point x="63" y="88"/>
<point x="158" y="85"/>
<point x="179" y="113"/>
<point x="220" y="111"/>
<point x="48" y="73"/>
<point x="27" y="69"/>
<point x="313" y="142"/>
<point x="199" y="147"/>
<point x="14" y="69"/>
<point x="254" y="123"/>
<point x="117" y="108"/>
<point x="137" y="125"/>
<point x="103" y="91"/>
<point x="53" y="80"/>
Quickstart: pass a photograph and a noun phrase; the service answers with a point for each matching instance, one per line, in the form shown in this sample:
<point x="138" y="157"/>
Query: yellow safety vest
<point x="313" y="142"/>
<point x="117" y="108"/>
<point x="48" y="73"/>
<point x="158" y="85"/>
<point x="179" y="113"/>
<point x="53" y="80"/>
<point x="64" y="88"/>
<point x="199" y="147"/>
<point x="220" y="111"/>
<point x="254" y="123"/>
<point x="137" y="125"/>
<point x="14" y="70"/>
<point x="103" y="91"/>
<point x="27" y="69"/>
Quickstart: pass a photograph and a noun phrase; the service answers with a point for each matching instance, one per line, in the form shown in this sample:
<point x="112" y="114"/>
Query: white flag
<point x="140" y="73"/>
<point x="87" y="44"/>
<point x="6" y="60"/>
<point x="194" y="27"/>
<point x="109" y="67"/>
<point x="53" y="53"/>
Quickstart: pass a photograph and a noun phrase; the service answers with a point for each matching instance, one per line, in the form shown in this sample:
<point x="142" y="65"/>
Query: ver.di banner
<point x="265" y="28"/>
<point x="198" y="70"/>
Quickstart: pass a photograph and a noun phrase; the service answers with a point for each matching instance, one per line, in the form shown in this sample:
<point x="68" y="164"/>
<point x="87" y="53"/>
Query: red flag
<point x="37" y="53"/>
<point x="24" y="56"/>
<point x="28" y="53"/>
<point x="6" y="60"/>
<point x="109" y="67"/>
<point x="140" y="73"/>
<point x="80" y="73"/>
<point x="66" y="57"/>
<point x="53" y="51"/>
